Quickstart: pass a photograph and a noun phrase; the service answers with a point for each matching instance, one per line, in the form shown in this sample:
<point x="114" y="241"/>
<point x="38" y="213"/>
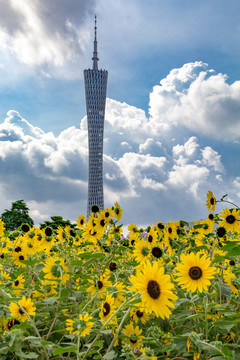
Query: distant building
<point x="95" y="90"/>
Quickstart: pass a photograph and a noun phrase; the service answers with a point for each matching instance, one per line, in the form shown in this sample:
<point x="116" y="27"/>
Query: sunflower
<point x="132" y="228"/>
<point x="211" y="201"/>
<point x="142" y="251"/>
<point x="133" y="333"/>
<point x="139" y="314"/>
<point x="195" y="272"/>
<point x="107" y="213"/>
<point x="230" y="279"/>
<point x="155" y="288"/>
<point x="83" y="324"/>
<point x="117" y="211"/>
<point x="107" y="308"/>
<point x="81" y="221"/>
<point x="18" y="284"/>
<point x="204" y="227"/>
<point x="152" y="236"/>
<point x="101" y="223"/>
<point x="159" y="227"/>
<point x="115" y="232"/>
<point x="99" y="286"/>
<point x="133" y="237"/>
<point x="19" y="257"/>
<point x="55" y="270"/>
<point x="10" y="323"/>
<point x="16" y="309"/>
<point x="119" y="295"/>
<point x="231" y="220"/>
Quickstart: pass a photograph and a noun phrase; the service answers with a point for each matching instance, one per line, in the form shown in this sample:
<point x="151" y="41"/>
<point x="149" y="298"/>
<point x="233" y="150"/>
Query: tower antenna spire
<point x="95" y="28"/>
<point x="95" y="53"/>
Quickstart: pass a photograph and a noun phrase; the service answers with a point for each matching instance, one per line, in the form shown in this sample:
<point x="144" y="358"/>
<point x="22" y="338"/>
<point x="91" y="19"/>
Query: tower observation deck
<point x="95" y="91"/>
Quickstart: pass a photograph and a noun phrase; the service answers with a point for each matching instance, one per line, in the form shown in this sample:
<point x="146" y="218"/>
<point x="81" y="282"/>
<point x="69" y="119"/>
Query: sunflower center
<point x="107" y="214"/>
<point x="195" y="272"/>
<point x="133" y="341"/>
<point x="157" y="252"/>
<point x="106" y="309"/>
<point x="139" y="314"/>
<point x="18" y="249"/>
<point x="170" y="230"/>
<point x="99" y="284"/>
<point x="81" y="222"/>
<point x="21" y="312"/>
<point x="16" y="283"/>
<point x="145" y="251"/>
<point x="210" y="216"/>
<point x="230" y="219"/>
<point x="56" y="271"/>
<point x="25" y="228"/>
<point x="221" y="231"/>
<point x="212" y="201"/>
<point x="150" y="238"/>
<point x="232" y="262"/>
<point x="160" y="226"/>
<point x="48" y="231"/>
<point x="153" y="289"/>
<point x="95" y="208"/>
<point x="112" y="266"/>
<point x="21" y="257"/>
<point x="102" y="222"/>
<point x="11" y="323"/>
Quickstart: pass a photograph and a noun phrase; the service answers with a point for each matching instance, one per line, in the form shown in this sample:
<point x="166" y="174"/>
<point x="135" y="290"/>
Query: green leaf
<point x="106" y="332"/>
<point x="31" y="355"/>
<point x="49" y="301"/>
<point x="61" y="350"/>
<point x="234" y="252"/>
<point x="39" y="267"/>
<point x="109" y="356"/>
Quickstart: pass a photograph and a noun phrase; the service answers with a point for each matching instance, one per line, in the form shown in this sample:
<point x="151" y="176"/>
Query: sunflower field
<point x="171" y="291"/>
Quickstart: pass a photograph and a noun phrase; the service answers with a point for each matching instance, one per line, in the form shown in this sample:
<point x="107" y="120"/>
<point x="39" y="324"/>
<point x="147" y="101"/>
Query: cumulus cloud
<point x="151" y="181"/>
<point x="211" y="158"/>
<point x="43" y="33"/>
<point x="189" y="176"/>
<point x="198" y="99"/>
<point x="183" y="153"/>
<point x="150" y="146"/>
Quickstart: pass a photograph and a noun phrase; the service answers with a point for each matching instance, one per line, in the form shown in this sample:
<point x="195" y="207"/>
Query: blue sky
<point x="172" y="123"/>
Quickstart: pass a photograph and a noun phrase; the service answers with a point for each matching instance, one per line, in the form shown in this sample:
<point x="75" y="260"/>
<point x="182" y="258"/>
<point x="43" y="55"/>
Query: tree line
<point x="19" y="215"/>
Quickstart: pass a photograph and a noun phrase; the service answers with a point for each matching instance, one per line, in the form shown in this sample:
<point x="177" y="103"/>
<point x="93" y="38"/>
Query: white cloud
<point x="189" y="176"/>
<point x="183" y="153"/>
<point x="211" y="158"/>
<point x="41" y="34"/>
<point x="150" y="145"/>
<point x="151" y="184"/>
<point x="50" y="172"/>
<point x="197" y="99"/>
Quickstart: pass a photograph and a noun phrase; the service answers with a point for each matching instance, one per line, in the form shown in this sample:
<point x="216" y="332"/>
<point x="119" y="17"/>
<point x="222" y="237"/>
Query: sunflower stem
<point x="118" y="331"/>
<point x="36" y="330"/>
<point x="206" y="319"/>
<point x="229" y="202"/>
<point x="104" y="325"/>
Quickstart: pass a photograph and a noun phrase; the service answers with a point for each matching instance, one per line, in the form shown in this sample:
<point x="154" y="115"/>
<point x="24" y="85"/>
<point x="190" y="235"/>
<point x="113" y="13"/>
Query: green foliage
<point x="65" y="276"/>
<point x="16" y="216"/>
<point x="57" y="221"/>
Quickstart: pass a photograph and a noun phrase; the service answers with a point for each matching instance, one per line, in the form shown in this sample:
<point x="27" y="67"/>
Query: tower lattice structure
<point x="95" y="90"/>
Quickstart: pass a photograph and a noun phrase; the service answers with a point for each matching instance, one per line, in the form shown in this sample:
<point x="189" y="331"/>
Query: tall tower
<point x="95" y="90"/>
